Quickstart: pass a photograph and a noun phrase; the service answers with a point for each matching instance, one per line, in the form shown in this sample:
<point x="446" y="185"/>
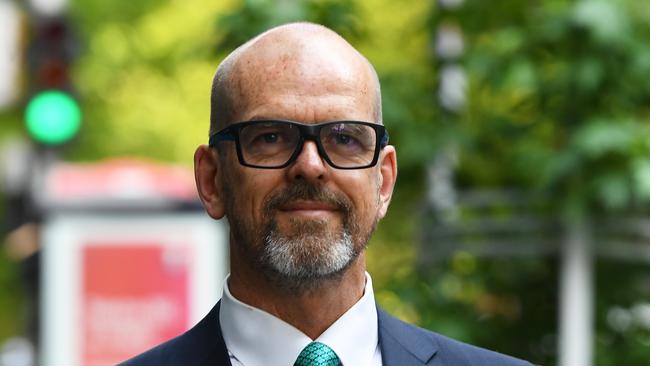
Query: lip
<point x="307" y="206"/>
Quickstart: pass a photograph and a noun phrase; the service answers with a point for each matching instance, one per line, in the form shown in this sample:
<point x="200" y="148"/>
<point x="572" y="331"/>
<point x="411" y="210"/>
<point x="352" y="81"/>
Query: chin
<point x="307" y="261"/>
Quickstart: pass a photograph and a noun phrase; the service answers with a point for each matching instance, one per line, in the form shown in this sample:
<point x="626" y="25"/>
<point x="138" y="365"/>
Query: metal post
<point x="576" y="297"/>
<point x="10" y="53"/>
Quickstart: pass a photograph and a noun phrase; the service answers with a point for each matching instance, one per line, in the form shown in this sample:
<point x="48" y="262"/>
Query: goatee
<point x="309" y="252"/>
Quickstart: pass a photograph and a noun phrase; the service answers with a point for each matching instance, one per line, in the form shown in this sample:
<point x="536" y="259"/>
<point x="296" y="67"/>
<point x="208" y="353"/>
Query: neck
<point x="312" y="310"/>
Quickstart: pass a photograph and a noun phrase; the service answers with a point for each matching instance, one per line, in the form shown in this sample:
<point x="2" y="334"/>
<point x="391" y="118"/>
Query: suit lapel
<point x="402" y="344"/>
<point x="209" y="340"/>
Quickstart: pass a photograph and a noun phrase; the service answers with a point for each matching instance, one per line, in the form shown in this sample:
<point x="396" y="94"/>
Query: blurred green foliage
<point x="256" y="16"/>
<point x="11" y="303"/>
<point x="623" y="336"/>
<point x="557" y="105"/>
<point x="558" y="98"/>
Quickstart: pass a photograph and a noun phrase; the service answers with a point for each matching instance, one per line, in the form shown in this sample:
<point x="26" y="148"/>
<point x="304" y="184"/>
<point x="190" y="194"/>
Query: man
<point x="298" y="162"/>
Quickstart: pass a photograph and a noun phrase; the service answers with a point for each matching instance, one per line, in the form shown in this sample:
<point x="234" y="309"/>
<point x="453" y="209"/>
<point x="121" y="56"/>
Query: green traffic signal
<point x="53" y="117"/>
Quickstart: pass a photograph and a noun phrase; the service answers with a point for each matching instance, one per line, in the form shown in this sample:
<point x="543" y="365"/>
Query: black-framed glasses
<point x="275" y="144"/>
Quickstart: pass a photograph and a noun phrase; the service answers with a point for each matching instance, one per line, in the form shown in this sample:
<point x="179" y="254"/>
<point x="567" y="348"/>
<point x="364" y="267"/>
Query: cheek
<point x="252" y="188"/>
<point x="236" y="190"/>
<point x="365" y="196"/>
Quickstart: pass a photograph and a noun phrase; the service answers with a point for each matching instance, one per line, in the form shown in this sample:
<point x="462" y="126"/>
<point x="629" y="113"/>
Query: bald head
<point x="298" y="61"/>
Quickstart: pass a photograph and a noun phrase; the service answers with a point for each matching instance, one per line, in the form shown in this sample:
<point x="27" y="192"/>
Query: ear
<point x="206" y="174"/>
<point x="387" y="178"/>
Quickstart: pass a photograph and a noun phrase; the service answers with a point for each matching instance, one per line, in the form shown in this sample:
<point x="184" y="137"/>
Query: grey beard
<point x="311" y="254"/>
<point x="304" y="262"/>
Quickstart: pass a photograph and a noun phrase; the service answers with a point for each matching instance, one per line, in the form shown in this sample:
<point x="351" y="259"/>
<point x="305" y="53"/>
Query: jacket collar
<point x="404" y="344"/>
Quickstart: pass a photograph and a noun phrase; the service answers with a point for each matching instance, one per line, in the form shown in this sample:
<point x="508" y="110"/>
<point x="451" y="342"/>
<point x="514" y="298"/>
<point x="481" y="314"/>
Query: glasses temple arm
<point x="221" y="136"/>
<point x="384" y="139"/>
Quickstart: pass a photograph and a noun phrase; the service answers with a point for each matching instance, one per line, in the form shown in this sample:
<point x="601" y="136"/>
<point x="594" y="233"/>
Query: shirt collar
<point x="258" y="338"/>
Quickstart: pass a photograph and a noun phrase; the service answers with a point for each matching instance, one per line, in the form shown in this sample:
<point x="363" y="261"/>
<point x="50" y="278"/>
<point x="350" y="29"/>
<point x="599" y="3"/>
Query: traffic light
<point x="52" y="114"/>
<point x="52" y="117"/>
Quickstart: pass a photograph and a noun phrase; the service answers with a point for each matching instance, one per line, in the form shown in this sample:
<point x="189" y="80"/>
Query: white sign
<point x="115" y="285"/>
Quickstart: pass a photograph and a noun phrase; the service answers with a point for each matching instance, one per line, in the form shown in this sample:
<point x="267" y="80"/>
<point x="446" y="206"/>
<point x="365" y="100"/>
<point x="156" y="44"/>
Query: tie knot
<point x="317" y="354"/>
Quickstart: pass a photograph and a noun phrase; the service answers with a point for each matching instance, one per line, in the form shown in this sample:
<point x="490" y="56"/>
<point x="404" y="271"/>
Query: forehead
<point x="309" y="82"/>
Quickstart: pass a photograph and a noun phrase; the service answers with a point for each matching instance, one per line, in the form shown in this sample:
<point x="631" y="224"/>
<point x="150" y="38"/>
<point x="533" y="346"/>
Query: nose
<point x="308" y="165"/>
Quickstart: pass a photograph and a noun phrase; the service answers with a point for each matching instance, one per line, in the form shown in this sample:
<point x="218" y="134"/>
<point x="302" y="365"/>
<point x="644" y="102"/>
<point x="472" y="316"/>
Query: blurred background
<point x="520" y="220"/>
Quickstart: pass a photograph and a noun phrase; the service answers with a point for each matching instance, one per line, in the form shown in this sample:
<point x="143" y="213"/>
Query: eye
<point x="270" y="137"/>
<point x="343" y="139"/>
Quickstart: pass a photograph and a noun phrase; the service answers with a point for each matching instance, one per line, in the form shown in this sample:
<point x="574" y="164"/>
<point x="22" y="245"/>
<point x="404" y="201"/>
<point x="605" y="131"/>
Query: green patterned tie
<point x="317" y="354"/>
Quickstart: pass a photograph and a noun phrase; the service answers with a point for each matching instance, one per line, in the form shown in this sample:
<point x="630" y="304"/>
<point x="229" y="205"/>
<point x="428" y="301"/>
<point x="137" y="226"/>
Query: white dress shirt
<point x="254" y="337"/>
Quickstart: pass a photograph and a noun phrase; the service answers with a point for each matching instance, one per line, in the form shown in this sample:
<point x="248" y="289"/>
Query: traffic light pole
<point x="52" y="115"/>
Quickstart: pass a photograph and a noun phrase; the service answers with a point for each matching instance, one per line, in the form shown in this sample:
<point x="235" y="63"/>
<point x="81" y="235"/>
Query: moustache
<point x="303" y="191"/>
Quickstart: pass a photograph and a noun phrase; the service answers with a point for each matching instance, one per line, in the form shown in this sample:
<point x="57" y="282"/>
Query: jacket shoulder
<point x="472" y="355"/>
<point x="167" y="353"/>
<point x="431" y="348"/>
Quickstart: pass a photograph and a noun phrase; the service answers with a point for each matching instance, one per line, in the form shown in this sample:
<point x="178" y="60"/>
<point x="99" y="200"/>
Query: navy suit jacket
<point x="401" y="344"/>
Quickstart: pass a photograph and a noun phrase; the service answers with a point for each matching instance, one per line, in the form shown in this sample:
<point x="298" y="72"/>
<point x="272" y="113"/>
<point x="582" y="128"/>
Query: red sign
<point x="134" y="297"/>
<point x="118" y="180"/>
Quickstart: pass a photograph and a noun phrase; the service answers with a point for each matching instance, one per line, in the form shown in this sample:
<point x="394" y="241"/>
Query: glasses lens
<point x="349" y="144"/>
<point x="268" y="144"/>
